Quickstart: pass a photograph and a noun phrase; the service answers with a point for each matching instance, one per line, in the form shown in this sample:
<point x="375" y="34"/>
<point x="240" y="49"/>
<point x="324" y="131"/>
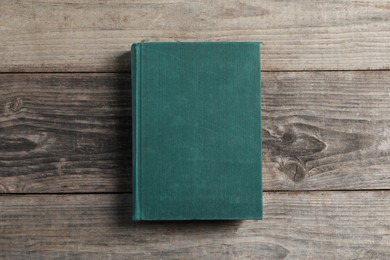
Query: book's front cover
<point x="197" y="131"/>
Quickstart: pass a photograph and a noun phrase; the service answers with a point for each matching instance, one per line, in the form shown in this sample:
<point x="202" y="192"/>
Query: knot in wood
<point x="294" y="170"/>
<point x="15" y="104"/>
<point x="288" y="138"/>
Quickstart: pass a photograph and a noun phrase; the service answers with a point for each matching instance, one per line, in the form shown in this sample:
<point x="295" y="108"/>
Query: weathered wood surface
<point x="72" y="132"/>
<point x="297" y="225"/>
<point x="65" y="133"/>
<point x="88" y="35"/>
<point x="326" y="130"/>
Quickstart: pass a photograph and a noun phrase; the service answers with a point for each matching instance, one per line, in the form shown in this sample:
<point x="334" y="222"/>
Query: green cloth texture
<point x="196" y="131"/>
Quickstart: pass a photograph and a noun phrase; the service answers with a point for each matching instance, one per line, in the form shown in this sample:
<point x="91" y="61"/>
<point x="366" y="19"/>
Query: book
<point x="196" y="121"/>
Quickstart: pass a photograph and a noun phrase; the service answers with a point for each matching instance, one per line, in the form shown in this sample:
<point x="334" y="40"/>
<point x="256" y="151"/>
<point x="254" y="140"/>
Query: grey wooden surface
<point x="297" y="225"/>
<point x="65" y="127"/>
<point x="70" y="132"/>
<point x="87" y="35"/>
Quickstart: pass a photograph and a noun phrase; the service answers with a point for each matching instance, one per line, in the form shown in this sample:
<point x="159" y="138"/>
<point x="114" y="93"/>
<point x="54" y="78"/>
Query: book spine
<point x="135" y="82"/>
<point x="261" y="141"/>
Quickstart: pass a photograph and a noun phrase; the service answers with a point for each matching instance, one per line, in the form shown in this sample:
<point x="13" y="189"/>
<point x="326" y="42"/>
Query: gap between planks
<point x="119" y="193"/>
<point x="128" y="71"/>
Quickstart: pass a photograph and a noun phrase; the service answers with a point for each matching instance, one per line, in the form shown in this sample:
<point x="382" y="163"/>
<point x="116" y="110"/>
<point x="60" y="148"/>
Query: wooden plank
<point x="326" y="130"/>
<point x="88" y="35"/>
<point x="65" y="133"/>
<point x="297" y="225"/>
<point x="72" y="132"/>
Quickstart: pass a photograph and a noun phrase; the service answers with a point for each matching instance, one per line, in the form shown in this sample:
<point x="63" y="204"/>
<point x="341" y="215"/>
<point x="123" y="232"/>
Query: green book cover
<point x="196" y="131"/>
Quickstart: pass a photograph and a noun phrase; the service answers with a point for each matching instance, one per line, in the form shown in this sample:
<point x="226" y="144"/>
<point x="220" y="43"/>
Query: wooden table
<point x="65" y="148"/>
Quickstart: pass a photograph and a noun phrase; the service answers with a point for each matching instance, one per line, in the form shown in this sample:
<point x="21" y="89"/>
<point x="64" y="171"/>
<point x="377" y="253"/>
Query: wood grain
<point x="297" y="225"/>
<point x="72" y="132"/>
<point x="65" y="133"/>
<point x="88" y="35"/>
<point x="326" y="130"/>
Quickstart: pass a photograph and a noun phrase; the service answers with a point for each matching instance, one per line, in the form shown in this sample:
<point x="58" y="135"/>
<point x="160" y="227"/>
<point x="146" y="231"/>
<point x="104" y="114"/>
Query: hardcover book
<point x="196" y="131"/>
